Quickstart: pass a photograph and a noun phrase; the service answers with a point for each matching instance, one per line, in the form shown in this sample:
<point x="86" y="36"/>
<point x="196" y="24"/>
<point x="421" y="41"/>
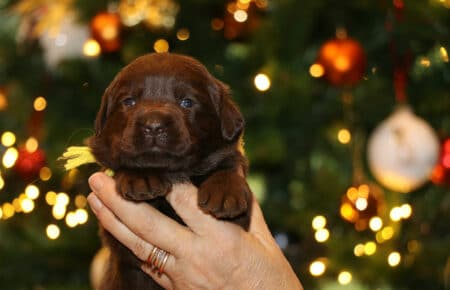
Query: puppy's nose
<point x="153" y="128"/>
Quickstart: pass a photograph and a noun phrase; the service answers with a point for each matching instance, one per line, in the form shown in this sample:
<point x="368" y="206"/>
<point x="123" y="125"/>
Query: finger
<point x="184" y="200"/>
<point x="122" y="233"/>
<point x="142" y="219"/>
<point x="161" y="279"/>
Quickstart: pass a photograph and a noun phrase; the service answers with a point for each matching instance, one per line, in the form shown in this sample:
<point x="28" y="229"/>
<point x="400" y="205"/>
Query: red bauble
<point x="28" y="164"/>
<point x="343" y="61"/>
<point x="441" y="173"/>
<point x="105" y="29"/>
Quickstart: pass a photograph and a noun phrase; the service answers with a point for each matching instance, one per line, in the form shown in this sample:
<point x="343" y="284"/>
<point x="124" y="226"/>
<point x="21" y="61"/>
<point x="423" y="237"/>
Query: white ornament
<point x="64" y="42"/>
<point x="403" y="151"/>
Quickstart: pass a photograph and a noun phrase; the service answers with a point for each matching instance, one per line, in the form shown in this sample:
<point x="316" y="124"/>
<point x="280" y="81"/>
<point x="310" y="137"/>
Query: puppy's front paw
<point x="225" y="195"/>
<point x="136" y="187"/>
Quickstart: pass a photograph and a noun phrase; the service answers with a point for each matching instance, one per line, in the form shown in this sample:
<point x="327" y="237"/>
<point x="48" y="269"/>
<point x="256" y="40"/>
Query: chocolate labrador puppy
<point x="165" y="119"/>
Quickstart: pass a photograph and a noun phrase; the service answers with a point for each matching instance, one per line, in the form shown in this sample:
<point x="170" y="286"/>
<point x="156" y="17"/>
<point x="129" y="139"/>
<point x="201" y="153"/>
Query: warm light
<point x="347" y="212"/>
<point x="59" y="211"/>
<point x="425" y="62"/>
<point x="32" y="191"/>
<point x="91" y="48"/>
<point x="183" y="34"/>
<point x="319" y="222"/>
<point x="161" y="45"/>
<point x="387" y="233"/>
<point x="71" y="220"/>
<point x="31" y="144"/>
<point x="80" y="201"/>
<point x="358" y="250"/>
<point x="406" y="211"/>
<point x="27" y="205"/>
<point x="361" y="203"/>
<point x="50" y="198"/>
<point x="344" y="278"/>
<point x="10" y="157"/>
<point x="8" y="210"/>
<point x="375" y="223"/>
<point x="322" y="235"/>
<point x="81" y="216"/>
<point x="317" y="268"/>
<point x="45" y="173"/>
<point x="53" y="231"/>
<point x="1" y="212"/>
<point x="8" y="139"/>
<point x="16" y="204"/>
<point x="370" y="248"/>
<point x="394" y="259"/>
<point x="240" y="15"/>
<point x="344" y="136"/>
<point x="316" y="70"/>
<point x="62" y="198"/>
<point x="342" y="63"/>
<point x="40" y="103"/>
<point x="2" y="182"/>
<point x="352" y="193"/>
<point x="363" y="190"/>
<point x="262" y="82"/>
<point x="444" y="54"/>
<point x="396" y="214"/>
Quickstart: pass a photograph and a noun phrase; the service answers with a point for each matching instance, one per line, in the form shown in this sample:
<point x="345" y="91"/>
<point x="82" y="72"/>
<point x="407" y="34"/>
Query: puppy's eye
<point x="129" y="102"/>
<point x="186" y="103"/>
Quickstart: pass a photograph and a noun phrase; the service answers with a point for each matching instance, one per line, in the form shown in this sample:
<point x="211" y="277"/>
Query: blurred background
<point x="347" y="106"/>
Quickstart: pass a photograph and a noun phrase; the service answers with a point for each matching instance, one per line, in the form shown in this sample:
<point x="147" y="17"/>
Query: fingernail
<point x="96" y="181"/>
<point x="94" y="202"/>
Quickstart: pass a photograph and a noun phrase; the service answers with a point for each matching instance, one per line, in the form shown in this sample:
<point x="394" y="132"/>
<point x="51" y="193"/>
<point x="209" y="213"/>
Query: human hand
<point x="207" y="253"/>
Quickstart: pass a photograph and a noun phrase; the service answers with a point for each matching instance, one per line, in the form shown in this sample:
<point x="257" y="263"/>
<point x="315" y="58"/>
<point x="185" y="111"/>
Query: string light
<point x="344" y="278"/>
<point x="358" y="250"/>
<point x="394" y="259"/>
<point x="27" y="205"/>
<point x="50" y="198"/>
<point x="81" y="216"/>
<point x="40" y="103"/>
<point x="45" y="173"/>
<point x="8" y="139"/>
<point x="53" y="231"/>
<point x="71" y="220"/>
<point x="183" y="34"/>
<point x="2" y="182"/>
<point x="375" y="223"/>
<point x="406" y="211"/>
<point x="322" y="235"/>
<point x="31" y="145"/>
<point x="262" y="82"/>
<point x="319" y="222"/>
<point x="8" y="210"/>
<point x="395" y="214"/>
<point x="91" y="48"/>
<point x="444" y="54"/>
<point x="316" y="70"/>
<point x="80" y="201"/>
<point x="344" y="136"/>
<point x="240" y="15"/>
<point x="161" y="45"/>
<point x="370" y="248"/>
<point x="317" y="268"/>
<point x="32" y="191"/>
<point x="10" y="157"/>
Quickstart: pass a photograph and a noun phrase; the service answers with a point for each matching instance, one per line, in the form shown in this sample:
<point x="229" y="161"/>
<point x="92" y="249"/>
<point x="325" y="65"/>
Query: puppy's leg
<point x="225" y="194"/>
<point x="140" y="187"/>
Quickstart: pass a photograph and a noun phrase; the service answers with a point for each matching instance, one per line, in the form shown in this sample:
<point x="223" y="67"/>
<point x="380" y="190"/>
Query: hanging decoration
<point x="342" y="60"/>
<point x="29" y="163"/>
<point x="105" y="29"/>
<point x="403" y="151"/>
<point x="441" y="173"/>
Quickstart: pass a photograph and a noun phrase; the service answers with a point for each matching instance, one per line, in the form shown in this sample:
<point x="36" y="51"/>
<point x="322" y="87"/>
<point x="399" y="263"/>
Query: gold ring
<point x="157" y="259"/>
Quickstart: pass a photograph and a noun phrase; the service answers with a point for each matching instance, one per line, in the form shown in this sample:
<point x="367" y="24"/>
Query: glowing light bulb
<point x="10" y="157"/>
<point x="316" y="70"/>
<point x="361" y="203"/>
<point x="53" y="231"/>
<point x="358" y="250"/>
<point x="317" y="268"/>
<point x="91" y="48"/>
<point x="71" y="220"/>
<point x="370" y="248"/>
<point x="375" y="223"/>
<point x="50" y="198"/>
<point x="62" y="198"/>
<point x="40" y="103"/>
<point x="319" y="222"/>
<point x="406" y="211"/>
<point x="80" y="201"/>
<point x="240" y="15"/>
<point x="45" y="173"/>
<point x="262" y="82"/>
<point x="344" y="136"/>
<point x="344" y="278"/>
<point x="394" y="259"/>
<point x="396" y="214"/>
<point x="27" y="205"/>
<point x="8" y="139"/>
<point x="183" y="34"/>
<point x="32" y="191"/>
<point x="161" y="45"/>
<point x="31" y="144"/>
<point x="322" y="235"/>
<point x="81" y="216"/>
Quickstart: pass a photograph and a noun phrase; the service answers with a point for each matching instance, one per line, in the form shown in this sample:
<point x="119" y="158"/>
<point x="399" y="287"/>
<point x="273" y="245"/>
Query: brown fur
<point x="164" y="119"/>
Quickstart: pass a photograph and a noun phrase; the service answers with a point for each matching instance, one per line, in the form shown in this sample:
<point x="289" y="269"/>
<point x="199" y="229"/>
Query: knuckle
<point x="141" y="249"/>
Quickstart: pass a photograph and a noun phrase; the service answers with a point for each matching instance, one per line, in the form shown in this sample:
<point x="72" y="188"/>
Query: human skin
<point x="207" y="253"/>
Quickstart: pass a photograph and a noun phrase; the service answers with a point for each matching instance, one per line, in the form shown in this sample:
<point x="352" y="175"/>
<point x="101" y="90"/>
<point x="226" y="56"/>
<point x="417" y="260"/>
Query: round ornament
<point x="343" y="61"/>
<point x="402" y="151"/>
<point x="105" y="29"/>
<point x="29" y="164"/>
<point x="360" y="203"/>
<point x="441" y="173"/>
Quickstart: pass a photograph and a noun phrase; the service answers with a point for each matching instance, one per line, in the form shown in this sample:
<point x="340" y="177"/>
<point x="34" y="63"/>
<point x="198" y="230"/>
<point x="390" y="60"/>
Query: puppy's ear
<point x="232" y="121"/>
<point x="102" y="113"/>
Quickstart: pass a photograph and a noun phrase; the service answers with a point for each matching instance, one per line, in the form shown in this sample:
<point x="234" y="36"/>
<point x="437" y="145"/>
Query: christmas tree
<point x="347" y="128"/>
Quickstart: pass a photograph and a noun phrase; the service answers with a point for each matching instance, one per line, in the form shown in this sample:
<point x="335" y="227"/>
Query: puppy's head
<point x="164" y="111"/>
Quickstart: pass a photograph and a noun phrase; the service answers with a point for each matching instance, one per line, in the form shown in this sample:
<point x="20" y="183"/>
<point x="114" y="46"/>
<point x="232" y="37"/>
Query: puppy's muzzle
<point x="155" y="127"/>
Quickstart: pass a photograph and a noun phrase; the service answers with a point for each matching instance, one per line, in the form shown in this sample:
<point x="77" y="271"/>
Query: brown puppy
<point x="165" y="119"/>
